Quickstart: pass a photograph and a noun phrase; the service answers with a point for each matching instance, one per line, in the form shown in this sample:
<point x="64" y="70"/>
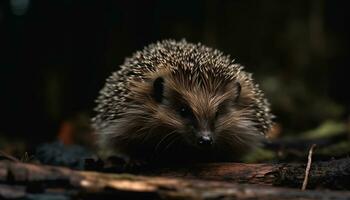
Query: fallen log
<point x="334" y="174"/>
<point x="29" y="181"/>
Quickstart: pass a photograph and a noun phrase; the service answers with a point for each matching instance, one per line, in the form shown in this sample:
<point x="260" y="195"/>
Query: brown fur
<point x="147" y="126"/>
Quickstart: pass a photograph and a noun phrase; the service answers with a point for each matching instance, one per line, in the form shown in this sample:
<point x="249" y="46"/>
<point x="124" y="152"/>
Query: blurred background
<point x="56" y="54"/>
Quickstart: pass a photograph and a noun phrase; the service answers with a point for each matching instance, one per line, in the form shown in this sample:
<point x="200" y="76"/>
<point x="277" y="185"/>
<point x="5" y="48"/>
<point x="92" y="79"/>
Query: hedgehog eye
<point x="221" y="110"/>
<point x="217" y="114"/>
<point x="185" y="112"/>
<point x="158" y="89"/>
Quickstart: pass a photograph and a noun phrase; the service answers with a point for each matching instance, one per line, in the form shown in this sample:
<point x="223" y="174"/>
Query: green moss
<point x="327" y="128"/>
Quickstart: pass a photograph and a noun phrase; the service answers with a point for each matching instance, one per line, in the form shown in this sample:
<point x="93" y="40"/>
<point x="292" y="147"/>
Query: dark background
<point x="56" y="54"/>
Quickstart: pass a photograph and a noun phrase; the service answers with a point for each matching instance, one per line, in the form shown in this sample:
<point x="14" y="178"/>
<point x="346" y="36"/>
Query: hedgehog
<point x="183" y="102"/>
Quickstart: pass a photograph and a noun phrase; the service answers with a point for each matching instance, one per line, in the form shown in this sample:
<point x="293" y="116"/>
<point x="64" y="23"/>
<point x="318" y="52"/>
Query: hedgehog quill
<point x="178" y="101"/>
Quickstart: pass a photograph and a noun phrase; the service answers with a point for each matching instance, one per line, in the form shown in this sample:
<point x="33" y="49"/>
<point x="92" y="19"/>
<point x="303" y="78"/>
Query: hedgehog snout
<point x="205" y="138"/>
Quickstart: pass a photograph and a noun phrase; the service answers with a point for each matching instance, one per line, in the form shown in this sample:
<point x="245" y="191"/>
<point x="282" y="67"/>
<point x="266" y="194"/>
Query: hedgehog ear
<point x="158" y="89"/>
<point x="238" y="88"/>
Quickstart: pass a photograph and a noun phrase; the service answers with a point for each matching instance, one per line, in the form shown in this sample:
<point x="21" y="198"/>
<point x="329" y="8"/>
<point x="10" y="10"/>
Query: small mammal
<point x="178" y="101"/>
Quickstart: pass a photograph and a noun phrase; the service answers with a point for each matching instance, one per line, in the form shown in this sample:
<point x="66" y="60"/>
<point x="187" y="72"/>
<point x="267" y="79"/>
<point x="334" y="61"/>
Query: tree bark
<point x="333" y="174"/>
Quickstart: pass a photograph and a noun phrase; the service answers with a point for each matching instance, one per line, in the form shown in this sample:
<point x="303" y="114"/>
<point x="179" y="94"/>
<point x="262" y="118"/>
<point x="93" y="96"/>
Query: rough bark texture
<point x="333" y="174"/>
<point x="207" y="181"/>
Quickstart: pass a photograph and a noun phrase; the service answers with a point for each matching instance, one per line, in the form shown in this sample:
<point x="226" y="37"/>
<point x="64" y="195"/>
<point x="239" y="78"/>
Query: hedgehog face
<point x="205" y="113"/>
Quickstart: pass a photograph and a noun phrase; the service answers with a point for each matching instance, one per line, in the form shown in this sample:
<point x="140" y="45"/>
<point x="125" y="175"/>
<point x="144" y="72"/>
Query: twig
<point x="307" y="170"/>
<point x="26" y="157"/>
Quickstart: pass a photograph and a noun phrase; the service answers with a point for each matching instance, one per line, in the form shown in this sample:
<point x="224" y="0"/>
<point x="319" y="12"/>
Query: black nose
<point x="205" y="140"/>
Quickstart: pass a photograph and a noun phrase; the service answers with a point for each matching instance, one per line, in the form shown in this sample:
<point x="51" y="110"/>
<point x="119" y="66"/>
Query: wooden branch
<point x="28" y="181"/>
